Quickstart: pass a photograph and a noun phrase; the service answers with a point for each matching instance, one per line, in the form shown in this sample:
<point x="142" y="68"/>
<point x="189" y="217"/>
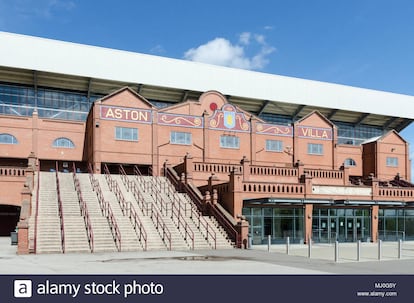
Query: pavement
<point x="260" y="259"/>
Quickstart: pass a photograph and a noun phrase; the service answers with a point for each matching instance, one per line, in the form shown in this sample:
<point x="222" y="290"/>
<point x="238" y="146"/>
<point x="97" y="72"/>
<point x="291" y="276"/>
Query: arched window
<point x="350" y="162"/>
<point x="63" y="142"/>
<point x="8" y="139"/>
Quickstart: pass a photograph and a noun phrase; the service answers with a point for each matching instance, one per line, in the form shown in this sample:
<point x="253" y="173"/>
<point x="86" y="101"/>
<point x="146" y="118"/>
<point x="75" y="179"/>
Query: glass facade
<point x="347" y="132"/>
<point x="50" y="103"/>
<point x="356" y="134"/>
<point x="277" y="222"/>
<point x="395" y="224"/>
<point x="342" y="224"/>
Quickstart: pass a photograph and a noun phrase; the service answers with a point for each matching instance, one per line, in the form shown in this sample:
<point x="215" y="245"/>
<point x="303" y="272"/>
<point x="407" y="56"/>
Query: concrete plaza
<point x="258" y="260"/>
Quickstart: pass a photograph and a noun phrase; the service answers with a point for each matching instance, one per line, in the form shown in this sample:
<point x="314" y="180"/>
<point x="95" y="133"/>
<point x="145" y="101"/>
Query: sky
<point x="363" y="43"/>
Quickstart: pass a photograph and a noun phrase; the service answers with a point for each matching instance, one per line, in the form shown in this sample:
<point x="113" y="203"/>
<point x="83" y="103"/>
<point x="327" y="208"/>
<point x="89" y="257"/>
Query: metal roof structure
<point x="49" y="63"/>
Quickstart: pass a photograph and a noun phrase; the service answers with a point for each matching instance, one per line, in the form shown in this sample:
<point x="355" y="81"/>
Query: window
<point x="349" y="162"/>
<point x="274" y="145"/>
<point x="229" y="142"/>
<point x="63" y="142"/>
<point x="392" y="161"/>
<point x="180" y="138"/>
<point x="126" y="133"/>
<point x="8" y="139"/>
<point x="315" y="149"/>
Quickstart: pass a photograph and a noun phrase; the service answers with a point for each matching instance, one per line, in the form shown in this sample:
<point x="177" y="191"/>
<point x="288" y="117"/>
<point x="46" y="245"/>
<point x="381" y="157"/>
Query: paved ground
<point x="233" y="261"/>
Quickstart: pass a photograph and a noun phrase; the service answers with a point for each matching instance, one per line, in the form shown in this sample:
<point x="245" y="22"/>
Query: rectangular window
<point x="274" y="145"/>
<point x="126" y="133"/>
<point x="392" y="161"/>
<point x="180" y="138"/>
<point x="230" y="142"/>
<point x="315" y="149"/>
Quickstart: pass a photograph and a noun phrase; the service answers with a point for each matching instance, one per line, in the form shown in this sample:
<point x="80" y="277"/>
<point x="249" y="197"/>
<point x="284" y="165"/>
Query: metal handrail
<point x="136" y="223"/>
<point x="202" y="222"/>
<point x="84" y="210"/>
<point x="159" y="222"/>
<point x="182" y="222"/>
<point x="106" y="209"/>
<point x="222" y="220"/>
<point x="116" y="234"/>
<point x="60" y="209"/>
<point x="37" y="209"/>
<point x="126" y="207"/>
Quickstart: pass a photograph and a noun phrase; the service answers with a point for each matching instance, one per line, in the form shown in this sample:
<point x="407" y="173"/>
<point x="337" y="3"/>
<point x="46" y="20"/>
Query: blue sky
<point x="364" y="43"/>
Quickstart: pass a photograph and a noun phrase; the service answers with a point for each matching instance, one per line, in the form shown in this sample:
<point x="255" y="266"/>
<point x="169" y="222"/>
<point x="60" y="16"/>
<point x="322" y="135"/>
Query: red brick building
<point x="288" y="168"/>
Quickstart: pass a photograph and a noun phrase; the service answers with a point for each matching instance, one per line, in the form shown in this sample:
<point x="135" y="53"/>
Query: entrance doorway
<point x="9" y="216"/>
<point x="276" y="222"/>
<point x="342" y="224"/>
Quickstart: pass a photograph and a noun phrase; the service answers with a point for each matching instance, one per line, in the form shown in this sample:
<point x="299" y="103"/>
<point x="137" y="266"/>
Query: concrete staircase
<point x="154" y="238"/>
<point x="147" y="185"/>
<point x="129" y="238"/>
<point x="103" y="240"/>
<point x="75" y="232"/>
<point x="48" y="221"/>
<point x="76" y="239"/>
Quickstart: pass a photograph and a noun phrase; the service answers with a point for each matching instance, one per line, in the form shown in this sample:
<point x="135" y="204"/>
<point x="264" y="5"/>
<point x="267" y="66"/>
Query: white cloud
<point x="221" y="51"/>
<point x="245" y="38"/>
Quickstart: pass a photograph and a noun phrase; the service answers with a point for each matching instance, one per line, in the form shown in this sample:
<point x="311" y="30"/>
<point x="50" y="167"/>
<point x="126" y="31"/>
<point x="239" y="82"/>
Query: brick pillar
<point x="242" y="228"/>
<point x="23" y="237"/>
<point x="375" y="188"/>
<point x="308" y="221"/>
<point x="188" y="168"/>
<point x="23" y="224"/>
<point x="374" y="223"/>
<point x="235" y="205"/>
<point x="345" y="170"/>
<point x="30" y="171"/>
<point x="308" y="185"/>
<point x="246" y="168"/>
<point x="301" y="170"/>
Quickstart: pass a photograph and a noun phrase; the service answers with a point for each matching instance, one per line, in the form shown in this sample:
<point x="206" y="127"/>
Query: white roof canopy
<point x="168" y="79"/>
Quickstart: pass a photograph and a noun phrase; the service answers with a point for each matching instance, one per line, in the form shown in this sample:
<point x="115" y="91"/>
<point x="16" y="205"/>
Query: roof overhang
<point x="51" y="63"/>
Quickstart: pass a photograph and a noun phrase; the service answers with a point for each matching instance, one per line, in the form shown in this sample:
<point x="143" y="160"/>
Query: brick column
<point x="23" y="224"/>
<point x="308" y="185"/>
<point x="345" y="170"/>
<point x="242" y="228"/>
<point x="308" y="221"/>
<point x="246" y="168"/>
<point x="235" y="204"/>
<point x="374" y="223"/>
<point x="188" y="168"/>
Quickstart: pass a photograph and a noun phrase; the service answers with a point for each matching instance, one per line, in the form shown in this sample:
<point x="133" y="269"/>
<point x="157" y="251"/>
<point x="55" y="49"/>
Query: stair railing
<point x="37" y="209"/>
<point x="59" y="200"/>
<point x="105" y="209"/>
<point x="205" y="228"/>
<point x="161" y="227"/>
<point x="181" y="222"/>
<point x="124" y="177"/>
<point x="137" y="224"/>
<point x="113" y="225"/>
<point x="197" y="200"/>
<point x="126" y="207"/>
<point x="146" y="207"/>
<point x="83" y="209"/>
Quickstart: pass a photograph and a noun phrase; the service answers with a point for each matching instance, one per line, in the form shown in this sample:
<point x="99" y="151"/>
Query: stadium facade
<point x="276" y="156"/>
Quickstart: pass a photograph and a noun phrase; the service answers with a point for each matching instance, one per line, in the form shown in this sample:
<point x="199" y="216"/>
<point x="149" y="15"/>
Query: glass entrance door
<point x="350" y="229"/>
